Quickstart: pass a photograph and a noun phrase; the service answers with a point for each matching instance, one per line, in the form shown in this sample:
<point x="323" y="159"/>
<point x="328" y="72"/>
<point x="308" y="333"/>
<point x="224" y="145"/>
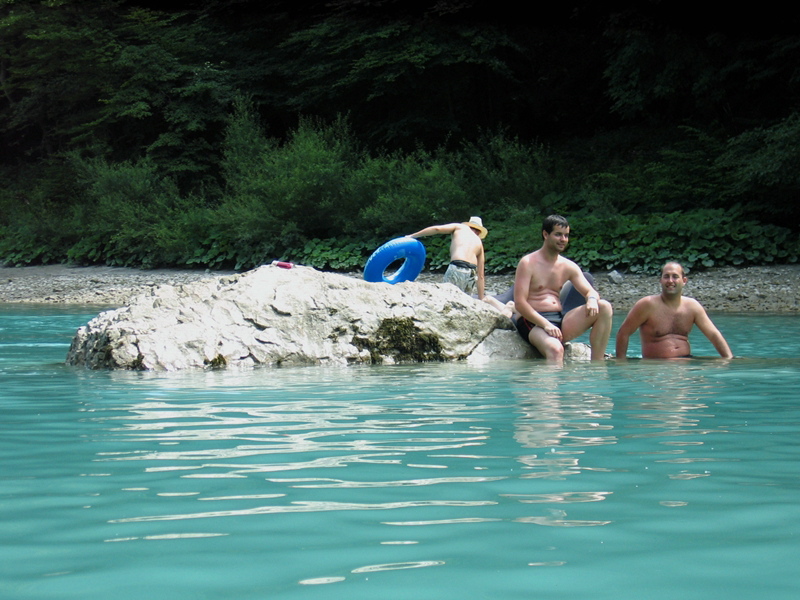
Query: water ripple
<point x="304" y="507"/>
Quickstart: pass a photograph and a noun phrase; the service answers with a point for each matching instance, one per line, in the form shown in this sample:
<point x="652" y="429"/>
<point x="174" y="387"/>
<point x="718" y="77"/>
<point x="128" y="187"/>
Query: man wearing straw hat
<point x="465" y="270"/>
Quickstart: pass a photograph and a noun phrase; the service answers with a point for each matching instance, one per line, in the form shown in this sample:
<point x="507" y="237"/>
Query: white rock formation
<point x="276" y="316"/>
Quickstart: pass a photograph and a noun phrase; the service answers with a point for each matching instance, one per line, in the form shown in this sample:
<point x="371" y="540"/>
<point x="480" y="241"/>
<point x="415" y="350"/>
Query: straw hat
<point x="476" y="223"/>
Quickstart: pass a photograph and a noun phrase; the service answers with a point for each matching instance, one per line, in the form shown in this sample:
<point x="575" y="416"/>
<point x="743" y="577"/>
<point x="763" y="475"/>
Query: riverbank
<point x="774" y="289"/>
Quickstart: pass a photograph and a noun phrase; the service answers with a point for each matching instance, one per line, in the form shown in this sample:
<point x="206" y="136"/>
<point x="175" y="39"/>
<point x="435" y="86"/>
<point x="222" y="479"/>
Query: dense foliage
<point x="230" y="133"/>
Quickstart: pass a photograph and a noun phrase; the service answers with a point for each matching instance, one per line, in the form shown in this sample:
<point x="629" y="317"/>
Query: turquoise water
<point x="643" y="480"/>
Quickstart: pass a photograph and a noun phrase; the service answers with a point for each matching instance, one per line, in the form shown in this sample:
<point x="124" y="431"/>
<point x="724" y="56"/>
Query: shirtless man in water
<point x="537" y="287"/>
<point x="465" y="270"/>
<point x="664" y="321"/>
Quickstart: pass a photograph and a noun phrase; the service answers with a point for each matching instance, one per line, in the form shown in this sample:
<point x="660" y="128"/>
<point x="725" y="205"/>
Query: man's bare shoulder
<point x="647" y="303"/>
<point x="527" y="259"/>
<point x="568" y="265"/>
<point x="693" y="305"/>
<point x="652" y="299"/>
<point x="462" y="230"/>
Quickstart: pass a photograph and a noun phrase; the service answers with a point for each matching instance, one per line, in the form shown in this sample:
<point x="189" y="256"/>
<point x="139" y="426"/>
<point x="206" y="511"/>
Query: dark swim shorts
<point x="524" y="326"/>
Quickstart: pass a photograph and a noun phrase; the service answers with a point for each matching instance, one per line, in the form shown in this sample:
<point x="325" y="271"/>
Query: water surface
<point x="642" y="480"/>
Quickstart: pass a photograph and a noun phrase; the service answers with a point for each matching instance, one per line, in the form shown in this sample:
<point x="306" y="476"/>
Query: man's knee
<point x="604" y="308"/>
<point x="555" y="352"/>
<point x="550" y="348"/>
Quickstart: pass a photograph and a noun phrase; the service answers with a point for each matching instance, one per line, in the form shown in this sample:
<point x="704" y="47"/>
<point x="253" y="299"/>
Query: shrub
<point x="698" y="239"/>
<point x="505" y="173"/>
<point x="302" y="183"/>
<point x="125" y="216"/>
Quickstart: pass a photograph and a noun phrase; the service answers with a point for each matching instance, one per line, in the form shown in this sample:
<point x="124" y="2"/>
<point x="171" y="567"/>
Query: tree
<point x="670" y="71"/>
<point x="121" y="84"/>
<point x="403" y="82"/>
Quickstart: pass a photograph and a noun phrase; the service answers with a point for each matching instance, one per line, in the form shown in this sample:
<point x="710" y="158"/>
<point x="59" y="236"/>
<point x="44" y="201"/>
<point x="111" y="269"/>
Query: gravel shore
<point x="773" y="289"/>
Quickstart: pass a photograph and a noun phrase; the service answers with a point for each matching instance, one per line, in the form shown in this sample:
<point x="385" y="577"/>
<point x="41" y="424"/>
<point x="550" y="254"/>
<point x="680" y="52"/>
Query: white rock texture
<point x="275" y="316"/>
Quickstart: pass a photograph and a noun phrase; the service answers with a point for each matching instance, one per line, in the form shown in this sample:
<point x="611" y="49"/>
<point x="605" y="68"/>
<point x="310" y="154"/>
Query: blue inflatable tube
<point x="410" y="250"/>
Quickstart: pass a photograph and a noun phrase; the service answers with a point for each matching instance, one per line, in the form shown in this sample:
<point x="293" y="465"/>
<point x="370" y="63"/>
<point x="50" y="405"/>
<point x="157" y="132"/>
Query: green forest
<point x="230" y="133"/>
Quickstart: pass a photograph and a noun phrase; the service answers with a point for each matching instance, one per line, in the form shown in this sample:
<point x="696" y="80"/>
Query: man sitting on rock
<point x="664" y="321"/>
<point x="540" y="277"/>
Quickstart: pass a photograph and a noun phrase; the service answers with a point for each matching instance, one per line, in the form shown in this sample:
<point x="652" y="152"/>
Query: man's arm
<point x="635" y="319"/>
<point x="522" y="283"/>
<point x="582" y="284"/>
<point x="481" y="276"/>
<point x="706" y="325"/>
<point x="435" y="229"/>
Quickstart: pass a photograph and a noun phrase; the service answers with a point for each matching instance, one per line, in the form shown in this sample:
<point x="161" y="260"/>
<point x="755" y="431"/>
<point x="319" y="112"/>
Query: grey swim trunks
<point x="463" y="275"/>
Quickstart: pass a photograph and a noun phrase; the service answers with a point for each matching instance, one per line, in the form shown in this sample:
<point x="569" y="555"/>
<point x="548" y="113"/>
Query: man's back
<point x="465" y="245"/>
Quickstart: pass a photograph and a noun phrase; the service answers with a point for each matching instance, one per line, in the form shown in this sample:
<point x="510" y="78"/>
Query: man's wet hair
<point x="554" y="221"/>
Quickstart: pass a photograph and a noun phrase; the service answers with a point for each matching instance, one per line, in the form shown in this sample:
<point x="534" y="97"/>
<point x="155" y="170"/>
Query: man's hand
<point x="591" y="306"/>
<point x="552" y="331"/>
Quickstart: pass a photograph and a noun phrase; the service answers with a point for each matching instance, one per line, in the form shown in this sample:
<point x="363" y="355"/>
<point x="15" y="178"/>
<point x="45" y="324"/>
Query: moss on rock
<point x="401" y="339"/>
<point x="218" y="362"/>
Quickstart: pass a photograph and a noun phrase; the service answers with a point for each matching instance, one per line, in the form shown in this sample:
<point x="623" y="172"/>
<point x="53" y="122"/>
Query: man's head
<point x="555" y="233"/>
<point x="672" y="279"/>
<point x="476" y="224"/>
<point x="553" y="221"/>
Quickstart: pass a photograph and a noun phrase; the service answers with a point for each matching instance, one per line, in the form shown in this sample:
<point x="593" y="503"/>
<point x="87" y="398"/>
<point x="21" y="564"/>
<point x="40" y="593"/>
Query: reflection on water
<point x="649" y="479"/>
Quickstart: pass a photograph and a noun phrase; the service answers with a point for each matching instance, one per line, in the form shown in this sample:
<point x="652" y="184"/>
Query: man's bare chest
<point x="665" y="323"/>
